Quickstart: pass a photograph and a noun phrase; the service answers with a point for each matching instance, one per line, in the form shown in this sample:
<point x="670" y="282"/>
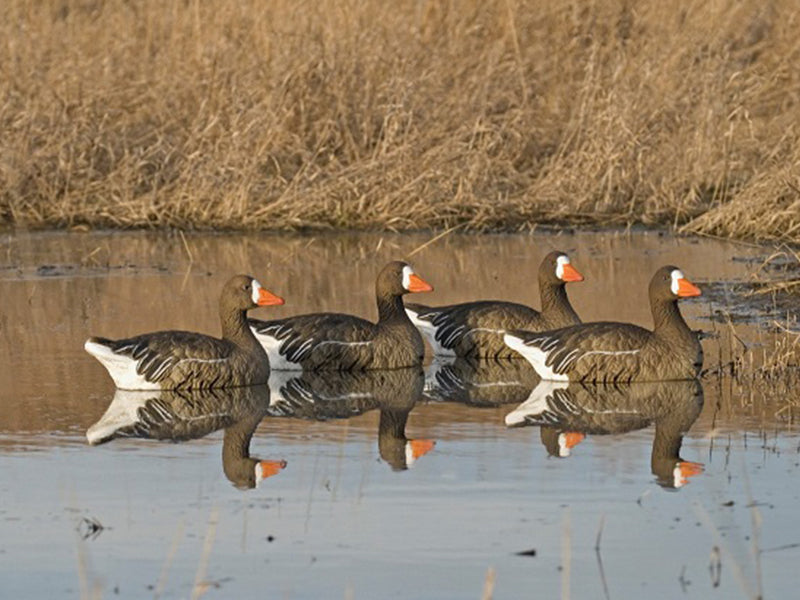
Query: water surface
<point x="367" y="505"/>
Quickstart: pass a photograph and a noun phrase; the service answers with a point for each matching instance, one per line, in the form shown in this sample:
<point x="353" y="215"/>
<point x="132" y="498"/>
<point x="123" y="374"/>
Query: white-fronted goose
<point x="566" y="413"/>
<point x="621" y="352"/>
<point x="183" y="415"/>
<point x="332" y="341"/>
<point x="474" y="329"/>
<point x="186" y="360"/>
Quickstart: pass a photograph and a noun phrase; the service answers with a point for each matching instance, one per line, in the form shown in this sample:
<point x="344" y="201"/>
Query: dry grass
<point x="365" y="114"/>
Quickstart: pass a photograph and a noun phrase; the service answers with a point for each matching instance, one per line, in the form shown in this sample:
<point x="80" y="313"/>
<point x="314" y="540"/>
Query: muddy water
<point x="406" y="486"/>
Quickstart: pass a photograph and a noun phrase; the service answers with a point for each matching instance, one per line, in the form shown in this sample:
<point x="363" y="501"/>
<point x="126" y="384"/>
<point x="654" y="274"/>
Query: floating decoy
<point x="325" y="395"/>
<point x="475" y="329"/>
<point x="186" y="360"/>
<point x="178" y="416"/>
<point x="339" y="342"/>
<point x="621" y="352"/>
<point x="566" y="413"/>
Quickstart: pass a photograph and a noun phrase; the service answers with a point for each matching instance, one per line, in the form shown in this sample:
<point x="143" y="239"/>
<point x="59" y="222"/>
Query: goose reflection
<point x="480" y="382"/>
<point x="327" y="395"/>
<point x="567" y="413"/>
<point x="178" y="416"/>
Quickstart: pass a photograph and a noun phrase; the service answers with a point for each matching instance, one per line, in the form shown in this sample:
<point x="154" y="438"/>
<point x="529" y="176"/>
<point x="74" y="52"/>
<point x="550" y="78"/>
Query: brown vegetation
<point x="367" y="114"/>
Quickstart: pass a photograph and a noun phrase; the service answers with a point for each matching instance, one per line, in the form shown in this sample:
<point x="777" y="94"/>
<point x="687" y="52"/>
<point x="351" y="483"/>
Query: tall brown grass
<point x="368" y="114"/>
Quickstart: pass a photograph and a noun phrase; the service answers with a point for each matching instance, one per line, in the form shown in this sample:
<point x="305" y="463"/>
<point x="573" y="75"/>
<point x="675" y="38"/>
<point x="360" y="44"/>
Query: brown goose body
<point x="480" y="382"/>
<point x="568" y="412"/>
<point x="326" y="395"/>
<point x="179" y="416"/>
<point x="340" y="342"/>
<point x="621" y="352"/>
<point x="171" y="360"/>
<point x="475" y="329"/>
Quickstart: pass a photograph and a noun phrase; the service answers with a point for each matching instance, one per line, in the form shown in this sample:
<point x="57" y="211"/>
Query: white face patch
<point x="410" y="460"/>
<point x="676" y="275"/>
<point x="678" y="480"/>
<point x="256" y="289"/>
<point x="407" y="273"/>
<point x="563" y="447"/>
<point x="259" y="473"/>
<point x="560" y="262"/>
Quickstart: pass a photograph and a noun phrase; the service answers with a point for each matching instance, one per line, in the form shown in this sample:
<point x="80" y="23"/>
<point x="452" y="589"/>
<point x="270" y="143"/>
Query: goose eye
<point x="244" y="287"/>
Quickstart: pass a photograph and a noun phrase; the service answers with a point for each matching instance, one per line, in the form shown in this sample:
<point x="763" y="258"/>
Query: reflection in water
<point x="485" y="382"/>
<point x="330" y="395"/>
<point x="190" y="414"/>
<point x="566" y="413"/>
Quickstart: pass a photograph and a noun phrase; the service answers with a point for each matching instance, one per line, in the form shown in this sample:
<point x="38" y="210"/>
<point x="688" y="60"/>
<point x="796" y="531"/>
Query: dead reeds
<point x="500" y="115"/>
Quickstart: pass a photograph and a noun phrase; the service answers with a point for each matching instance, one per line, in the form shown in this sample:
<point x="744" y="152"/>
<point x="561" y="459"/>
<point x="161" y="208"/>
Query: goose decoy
<point x="566" y="413"/>
<point x="338" y="342"/>
<point x="621" y="352"/>
<point x="183" y="415"/>
<point x="167" y="360"/>
<point x="474" y="329"/>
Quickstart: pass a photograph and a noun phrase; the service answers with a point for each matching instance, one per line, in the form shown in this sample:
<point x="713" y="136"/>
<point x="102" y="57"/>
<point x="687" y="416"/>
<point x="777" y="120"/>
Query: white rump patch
<point x="121" y="368"/>
<point x="535" y="356"/>
<point x="536" y="404"/>
<point x="277" y="381"/>
<point x="676" y="275"/>
<point x="428" y="331"/>
<point x="122" y="412"/>
<point x="562" y="260"/>
<point x="407" y="273"/>
<point x="432" y="372"/>
<point x="272" y="346"/>
<point x="256" y="287"/>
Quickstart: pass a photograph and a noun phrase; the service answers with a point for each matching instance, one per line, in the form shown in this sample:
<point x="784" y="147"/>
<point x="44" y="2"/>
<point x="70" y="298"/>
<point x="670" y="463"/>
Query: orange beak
<point x="266" y="298"/>
<point x="421" y="447"/>
<point x="686" y="289"/>
<point x="570" y="273"/>
<point x="271" y="467"/>
<point x="417" y="284"/>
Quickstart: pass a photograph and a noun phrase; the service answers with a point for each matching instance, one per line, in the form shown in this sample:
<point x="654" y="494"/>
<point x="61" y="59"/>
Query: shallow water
<point x="366" y="506"/>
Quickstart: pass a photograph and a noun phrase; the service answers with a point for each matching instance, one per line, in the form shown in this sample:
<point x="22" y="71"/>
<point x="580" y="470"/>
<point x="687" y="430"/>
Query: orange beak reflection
<point x="421" y="447"/>
<point x="266" y="298"/>
<point x="689" y="469"/>
<point x="686" y="289"/>
<point x="570" y="273"/>
<point x="573" y="438"/>
<point x="417" y="284"/>
<point x="271" y="467"/>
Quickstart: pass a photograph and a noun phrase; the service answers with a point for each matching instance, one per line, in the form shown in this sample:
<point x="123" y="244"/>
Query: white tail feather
<point x="428" y="331"/>
<point x="272" y="347"/>
<point x="122" y="412"/>
<point x="536" y="404"/>
<point x="121" y="368"/>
